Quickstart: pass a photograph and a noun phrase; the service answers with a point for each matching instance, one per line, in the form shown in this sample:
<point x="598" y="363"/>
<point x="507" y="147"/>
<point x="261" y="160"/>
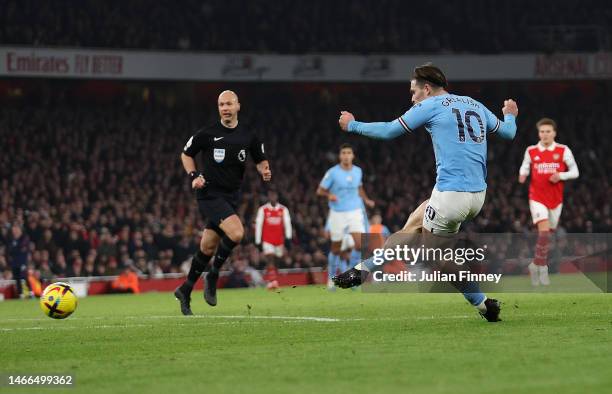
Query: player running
<point x="458" y="126"/>
<point x="272" y="227"/>
<point x="225" y="147"/>
<point x="343" y="188"/>
<point x="552" y="164"/>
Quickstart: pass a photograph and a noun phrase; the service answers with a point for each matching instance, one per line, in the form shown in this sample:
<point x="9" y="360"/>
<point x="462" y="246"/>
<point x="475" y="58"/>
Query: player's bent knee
<point x="233" y="229"/>
<point x="208" y="249"/>
<point x="235" y="234"/>
<point x="209" y="242"/>
<point x="238" y="236"/>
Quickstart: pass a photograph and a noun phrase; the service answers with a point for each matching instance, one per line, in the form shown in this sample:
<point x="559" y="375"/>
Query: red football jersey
<point x="542" y="163"/>
<point x="272" y="224"/>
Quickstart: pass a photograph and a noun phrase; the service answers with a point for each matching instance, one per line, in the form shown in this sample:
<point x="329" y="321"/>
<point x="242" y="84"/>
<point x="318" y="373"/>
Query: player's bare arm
<point x="189" y="165"/>
<point x="367" y="201"/>
<point x="263" y="168"/>
<point x="323" y="192"/>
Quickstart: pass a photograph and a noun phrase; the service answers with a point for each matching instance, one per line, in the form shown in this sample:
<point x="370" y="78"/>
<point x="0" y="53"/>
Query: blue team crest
<point x="219" y="155"/>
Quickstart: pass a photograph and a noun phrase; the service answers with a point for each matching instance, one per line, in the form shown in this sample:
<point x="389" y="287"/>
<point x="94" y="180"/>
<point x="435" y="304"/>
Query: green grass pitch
<point x="307" y="340"/>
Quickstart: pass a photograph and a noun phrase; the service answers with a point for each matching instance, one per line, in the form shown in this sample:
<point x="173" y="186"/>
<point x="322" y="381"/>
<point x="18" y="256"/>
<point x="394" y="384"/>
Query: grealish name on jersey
<point x="458" y="126"/>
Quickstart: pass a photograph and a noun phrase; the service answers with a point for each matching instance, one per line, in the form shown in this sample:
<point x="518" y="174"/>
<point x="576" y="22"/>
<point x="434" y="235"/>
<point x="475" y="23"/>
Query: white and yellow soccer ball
<point x="58" y="300"/>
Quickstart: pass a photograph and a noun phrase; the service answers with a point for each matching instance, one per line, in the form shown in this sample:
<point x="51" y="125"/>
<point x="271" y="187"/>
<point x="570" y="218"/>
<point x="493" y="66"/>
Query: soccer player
<point x="552" y="164"/>
<point x="224" y="147"/>
<point x="343" y="188"/>
<point x="458" y="126"/>
<point x="272" y="227"/>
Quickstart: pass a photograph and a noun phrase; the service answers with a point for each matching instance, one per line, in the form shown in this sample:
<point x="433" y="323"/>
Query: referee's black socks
<point x="198" y="265"/>
<point x="223" y="252"/>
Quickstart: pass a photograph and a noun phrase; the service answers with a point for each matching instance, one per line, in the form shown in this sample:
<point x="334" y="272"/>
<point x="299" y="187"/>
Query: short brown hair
<point x="346" y="146"/>
<point x="546" y="121"/>
<point x="428" y="73"/>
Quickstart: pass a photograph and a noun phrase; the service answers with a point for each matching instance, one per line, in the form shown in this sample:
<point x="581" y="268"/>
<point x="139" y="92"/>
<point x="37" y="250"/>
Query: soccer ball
<point x="58" y="300"/>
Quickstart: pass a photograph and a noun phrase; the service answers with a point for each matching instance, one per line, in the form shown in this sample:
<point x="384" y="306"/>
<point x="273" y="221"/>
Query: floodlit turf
<point x="307" y="340"/>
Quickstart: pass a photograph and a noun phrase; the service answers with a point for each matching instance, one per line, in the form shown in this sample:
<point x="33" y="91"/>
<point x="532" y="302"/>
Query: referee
<point x="224" y="146"/>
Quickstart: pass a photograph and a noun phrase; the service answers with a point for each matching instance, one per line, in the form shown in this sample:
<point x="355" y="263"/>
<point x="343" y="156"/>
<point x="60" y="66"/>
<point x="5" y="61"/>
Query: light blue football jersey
<point x="345" y="185"/>
<point x="458" y="126"/>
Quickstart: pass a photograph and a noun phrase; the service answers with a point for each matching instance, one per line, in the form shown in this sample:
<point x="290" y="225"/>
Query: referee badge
<point x="242" y="155"/>
<point x="219" y="155"/>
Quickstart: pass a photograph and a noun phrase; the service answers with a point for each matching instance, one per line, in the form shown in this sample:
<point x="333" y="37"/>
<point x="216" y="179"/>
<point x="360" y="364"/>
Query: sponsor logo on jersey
<point x="242" y="155"/>
<point x="218" y="138"/>
<point x="274" y="220"/>
<point x="546" y="168"/>
<point x="556" y="156"/>
<point x="536" y="158"/>
<point x="219" y="155"/>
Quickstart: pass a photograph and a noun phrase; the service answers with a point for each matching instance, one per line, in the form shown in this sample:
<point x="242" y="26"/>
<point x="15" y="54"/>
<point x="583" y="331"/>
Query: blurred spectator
<point x="126" y="282"/>
<point x="237" y="277"/>
<point x="98" y="187"/>
<point x="365" y="26"/>
<point x="18" y="254"/>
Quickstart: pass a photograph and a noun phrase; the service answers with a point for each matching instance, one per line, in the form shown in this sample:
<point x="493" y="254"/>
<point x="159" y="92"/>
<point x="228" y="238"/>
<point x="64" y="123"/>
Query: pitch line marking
<point x="273" y="317"/>
<point x="286" y="318"/>
<point x="73" y="327"/>
<point x="246" y="317"/>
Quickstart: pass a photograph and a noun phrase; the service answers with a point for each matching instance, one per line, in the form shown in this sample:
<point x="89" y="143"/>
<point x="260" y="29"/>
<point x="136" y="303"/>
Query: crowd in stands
<point x="285" y="26"/>
<point x="100" y="187"/>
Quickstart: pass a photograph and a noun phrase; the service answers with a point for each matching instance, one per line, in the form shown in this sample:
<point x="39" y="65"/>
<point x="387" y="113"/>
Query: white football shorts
<point x="541" y="212"/>
<point x="345" y="221"/>
<point x="446" y="211"/>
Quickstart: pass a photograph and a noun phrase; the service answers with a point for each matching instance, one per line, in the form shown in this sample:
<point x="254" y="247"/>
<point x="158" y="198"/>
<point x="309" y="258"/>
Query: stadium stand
<point x="285" y="26"/>
<point x="98" y="185"/>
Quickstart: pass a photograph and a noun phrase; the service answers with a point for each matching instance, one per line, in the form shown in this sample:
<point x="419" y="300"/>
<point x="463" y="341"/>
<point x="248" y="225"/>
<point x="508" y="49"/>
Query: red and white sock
<point x="541" y="249"/>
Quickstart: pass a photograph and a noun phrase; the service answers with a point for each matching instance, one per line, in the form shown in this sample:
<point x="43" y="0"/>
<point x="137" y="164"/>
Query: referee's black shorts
<point x="216" y="206"/>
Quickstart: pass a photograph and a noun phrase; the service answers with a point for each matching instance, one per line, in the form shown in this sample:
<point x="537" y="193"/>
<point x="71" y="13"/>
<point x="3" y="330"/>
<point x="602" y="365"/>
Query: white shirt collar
<point x="550" y="148"/>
